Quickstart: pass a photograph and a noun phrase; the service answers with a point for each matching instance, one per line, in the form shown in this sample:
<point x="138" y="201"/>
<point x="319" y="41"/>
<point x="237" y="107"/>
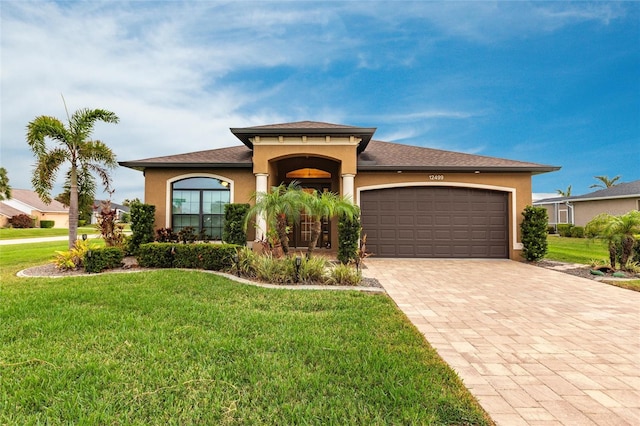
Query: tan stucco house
<point x="415" y="201"/>
<point x="580" y="209"/>
<point x="25" y="201"/>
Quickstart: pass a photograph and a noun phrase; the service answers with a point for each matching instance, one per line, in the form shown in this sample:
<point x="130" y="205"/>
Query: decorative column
<point x="347" y="186"/>
<point x="261" y="220"/>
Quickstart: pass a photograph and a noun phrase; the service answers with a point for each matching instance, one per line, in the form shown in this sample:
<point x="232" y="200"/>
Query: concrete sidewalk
<point x="534" y="346"/>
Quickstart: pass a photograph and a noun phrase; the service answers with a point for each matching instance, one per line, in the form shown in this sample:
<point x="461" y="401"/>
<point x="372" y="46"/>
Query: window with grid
<point x="199" y="203"/>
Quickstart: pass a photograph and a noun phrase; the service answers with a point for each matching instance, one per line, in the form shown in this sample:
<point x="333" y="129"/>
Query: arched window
<point x="199" y="202"/>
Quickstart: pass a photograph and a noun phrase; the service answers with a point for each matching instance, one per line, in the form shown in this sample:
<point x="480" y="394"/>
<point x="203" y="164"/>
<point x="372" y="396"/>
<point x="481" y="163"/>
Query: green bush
<point x="98" y="260"/>
<point x="534" y="233"/>
<point x="47" y="223"/>
<point x="577" y="232"/>
<point x="348" y="239"/>
<point x="82" y="222"/>
<point x="234" y="216"/>
<point x="551" y="229"/>
<point x="142" y="222"/>
<point x="564" y="229"/>
<point x="213" y="257"/>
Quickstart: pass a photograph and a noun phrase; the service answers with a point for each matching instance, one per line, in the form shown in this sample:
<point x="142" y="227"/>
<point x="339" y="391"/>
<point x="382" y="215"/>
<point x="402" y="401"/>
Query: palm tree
<point x="566" y="193"/>
<point x="605" y="182"/>
<point x="5" y="189"/>
<point x="619" y="232"/>
<point x="326" y="204"/>
<point x="280" y="206"/>
<point x="74" y="146"/>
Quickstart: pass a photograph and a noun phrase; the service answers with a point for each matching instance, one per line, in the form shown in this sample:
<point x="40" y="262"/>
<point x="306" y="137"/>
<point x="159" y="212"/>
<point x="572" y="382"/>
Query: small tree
<point x="234" y="231"/>
<point x="108" y="225"/>
<point x="534" y="233"/>
<point x="142" y="222"/>
<point x="619" y="232"/>
<point x="325" y="204"/>
<point x="281" y="205"/>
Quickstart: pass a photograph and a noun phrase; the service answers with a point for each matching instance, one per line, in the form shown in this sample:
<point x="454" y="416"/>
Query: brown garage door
<point x="438" y="222"/>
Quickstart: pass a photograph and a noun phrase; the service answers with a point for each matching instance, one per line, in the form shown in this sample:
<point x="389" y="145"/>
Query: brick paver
<point x="534" y="346"/>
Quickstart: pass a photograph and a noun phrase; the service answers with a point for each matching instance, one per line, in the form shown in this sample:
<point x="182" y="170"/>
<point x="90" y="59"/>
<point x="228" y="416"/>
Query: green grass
<point x="17" y="233"/>
<point x="576" y="250"/>
<point x="187" y="347"/>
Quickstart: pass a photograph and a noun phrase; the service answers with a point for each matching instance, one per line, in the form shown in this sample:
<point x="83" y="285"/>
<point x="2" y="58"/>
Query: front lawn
<point x="187" y="347"/>
<point x="17" y="233"/>
<point x="576" y="250"/>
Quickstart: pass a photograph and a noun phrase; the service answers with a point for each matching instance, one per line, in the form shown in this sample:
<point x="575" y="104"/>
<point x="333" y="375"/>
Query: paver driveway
<point x="535" y="346"/>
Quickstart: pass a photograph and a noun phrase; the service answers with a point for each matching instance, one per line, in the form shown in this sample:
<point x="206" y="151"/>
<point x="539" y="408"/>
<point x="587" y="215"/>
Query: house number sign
<point x="436" y="177"/>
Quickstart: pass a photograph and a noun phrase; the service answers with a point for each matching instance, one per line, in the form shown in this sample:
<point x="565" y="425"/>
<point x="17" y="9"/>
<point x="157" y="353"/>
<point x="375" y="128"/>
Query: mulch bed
<point x="583" y="271"/>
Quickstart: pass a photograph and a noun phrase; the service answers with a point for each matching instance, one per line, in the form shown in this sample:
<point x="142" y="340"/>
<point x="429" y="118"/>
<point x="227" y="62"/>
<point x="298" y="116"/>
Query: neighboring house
<point x="415" y="202"/>
<point x="119" y="208"/>
<point x="24" y="201"/>
<point x="580" y="209"/>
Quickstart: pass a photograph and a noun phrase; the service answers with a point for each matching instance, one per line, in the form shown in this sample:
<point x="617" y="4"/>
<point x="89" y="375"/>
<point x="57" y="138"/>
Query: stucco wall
<point x="584" y="211"/>
<point x="61" y="220"/>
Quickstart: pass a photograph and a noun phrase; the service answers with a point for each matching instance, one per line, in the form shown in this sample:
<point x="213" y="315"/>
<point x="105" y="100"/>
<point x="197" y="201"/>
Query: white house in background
<point x="119" y="208"/>
<point x="25" y="201"/>
<point x="580" y="209"/>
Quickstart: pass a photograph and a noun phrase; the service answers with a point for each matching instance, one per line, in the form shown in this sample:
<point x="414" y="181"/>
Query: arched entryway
<point x="313" y="173"/>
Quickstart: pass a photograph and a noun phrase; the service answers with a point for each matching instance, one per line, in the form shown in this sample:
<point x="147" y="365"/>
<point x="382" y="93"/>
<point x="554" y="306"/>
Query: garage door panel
<point x="436" y="222"/>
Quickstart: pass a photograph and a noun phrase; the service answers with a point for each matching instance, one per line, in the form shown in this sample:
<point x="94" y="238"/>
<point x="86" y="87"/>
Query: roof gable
<point x="31" y="200"/>
<point x="621" y="190"/>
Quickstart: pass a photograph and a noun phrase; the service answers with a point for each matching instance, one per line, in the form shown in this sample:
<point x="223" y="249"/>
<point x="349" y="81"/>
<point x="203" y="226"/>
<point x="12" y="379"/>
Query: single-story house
<point x="414" y="201"/>
<point x="580" y="209"/>
<point x="25" y="201"/>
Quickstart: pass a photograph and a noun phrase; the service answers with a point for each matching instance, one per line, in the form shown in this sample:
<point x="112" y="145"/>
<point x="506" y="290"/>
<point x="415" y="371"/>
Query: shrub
<point x="47" y="224"/>
<point x="110" y="229"/>
<point x="82" y="222"/>
<point x="577" y="232"/>
<point x="97" y="260"/>
<point x="74" y="258"/>
<point x="142" y="219"/>
<point x="312" y="270"/>
<point x="22" y="221"/>
<point x="551" y="229"/>
<point x="187" y="235"/>
<point x="348" y="239"/>
<point x="534" y="233"/>
<point x="166" y="235"/>
<point x="234" y="217"/>
<point x="564" y="229"/>
<point x="344" y="275"/>
<point x="213" y="257"/>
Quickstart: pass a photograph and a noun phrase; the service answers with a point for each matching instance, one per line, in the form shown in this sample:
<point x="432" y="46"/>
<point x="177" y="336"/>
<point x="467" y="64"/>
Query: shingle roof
<point x="392" y="156"/>
<point x="621" y="190"/>
<point x="236" y="156"/>
<point x="31" y="199"/>
<point x="377" y="156"/>
<point x="298" y="128"/>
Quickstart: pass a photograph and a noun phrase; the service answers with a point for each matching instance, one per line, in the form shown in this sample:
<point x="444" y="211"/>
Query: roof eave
<point x="613" y="197"/>
<point x="464" y="169"/>
<point x="365" y="133"/>
<point x="141" y="166"/>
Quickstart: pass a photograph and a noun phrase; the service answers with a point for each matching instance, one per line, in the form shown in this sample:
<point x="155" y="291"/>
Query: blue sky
<point x="555" y="83"/>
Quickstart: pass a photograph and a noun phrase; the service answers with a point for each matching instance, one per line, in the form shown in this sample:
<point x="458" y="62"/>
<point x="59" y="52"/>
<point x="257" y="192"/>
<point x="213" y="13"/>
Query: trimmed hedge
<point x="534" y="233"/>
<point x="212" y="257"/>
<point x="234" y="232"/>
<point x="577" y="232"/>
<point x="564" y="229"/>
<point x="348" y="239"/>
<point x="47" y="223"/>
<point x="97" y="260"/>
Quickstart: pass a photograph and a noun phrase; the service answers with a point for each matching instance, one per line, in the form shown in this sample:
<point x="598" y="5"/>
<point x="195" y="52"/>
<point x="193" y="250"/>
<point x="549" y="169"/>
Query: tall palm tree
<point x="5" y="189"/>
<point x="619" y="232"/>
<point x="605" y="182"/>
<point x="325" y="204"/>
<point x="73" y="146"/>
<point x="566" y="193"/>
<point x="280" y="206"/>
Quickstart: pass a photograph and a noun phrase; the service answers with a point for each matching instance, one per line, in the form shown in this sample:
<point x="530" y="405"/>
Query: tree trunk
<point x="627" y="249"/>
<point x="612" y="255"/>
<point x="315" y="234"/>
<point x="73" y="207"/>
<point x="281" y="224"/>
